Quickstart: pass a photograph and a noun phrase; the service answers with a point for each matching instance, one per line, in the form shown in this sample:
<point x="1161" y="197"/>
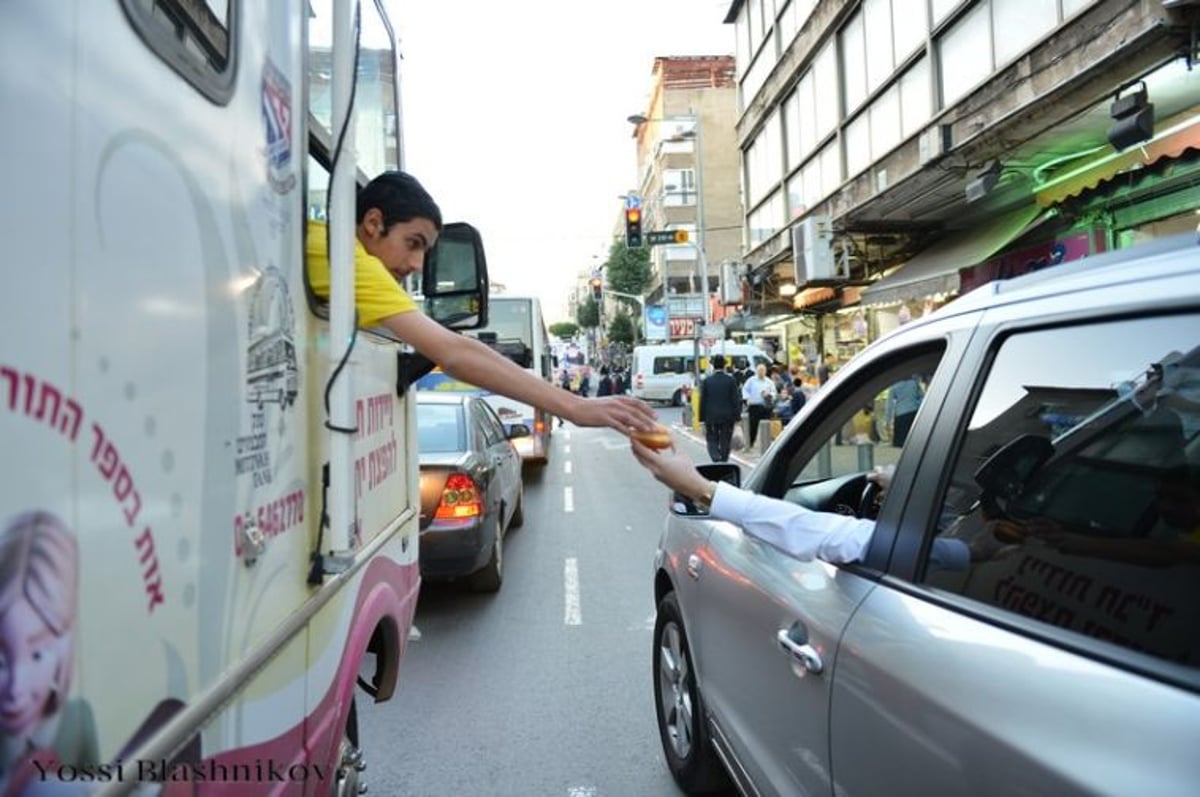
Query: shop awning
<point x="1171" y="142"/>
<point x="813" y="296"/>
<point x="935" y="270"/>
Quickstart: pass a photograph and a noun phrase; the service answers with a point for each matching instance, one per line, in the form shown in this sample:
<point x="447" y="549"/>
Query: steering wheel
<point x="868" y="504"/>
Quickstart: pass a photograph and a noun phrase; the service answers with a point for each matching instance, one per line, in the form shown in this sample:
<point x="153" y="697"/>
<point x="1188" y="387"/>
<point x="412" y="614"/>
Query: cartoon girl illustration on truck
<point x="39" y="584"/>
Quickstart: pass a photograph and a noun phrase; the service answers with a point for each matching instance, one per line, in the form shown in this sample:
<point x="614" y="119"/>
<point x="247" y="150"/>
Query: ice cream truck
<point x="209" y="502"/>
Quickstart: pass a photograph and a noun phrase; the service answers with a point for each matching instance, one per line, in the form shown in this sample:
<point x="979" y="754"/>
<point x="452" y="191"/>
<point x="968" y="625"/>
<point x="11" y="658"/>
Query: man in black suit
<point x="720" y="409"/>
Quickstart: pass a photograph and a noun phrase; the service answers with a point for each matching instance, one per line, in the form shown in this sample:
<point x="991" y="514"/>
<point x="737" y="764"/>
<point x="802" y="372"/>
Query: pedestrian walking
<point x="720" y="410"/>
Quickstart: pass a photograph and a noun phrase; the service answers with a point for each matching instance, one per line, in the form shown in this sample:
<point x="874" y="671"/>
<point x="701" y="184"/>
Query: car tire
<point x="682" y="727"/>
<point x="491" y="576"/>
<point x="518" y="516"/>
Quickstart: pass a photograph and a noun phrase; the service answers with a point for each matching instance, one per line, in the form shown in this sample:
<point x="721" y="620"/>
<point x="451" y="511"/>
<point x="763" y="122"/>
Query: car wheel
<point x="518" y="516"/>
<point x="681" y="724"/>
<point x="490" y="577"/>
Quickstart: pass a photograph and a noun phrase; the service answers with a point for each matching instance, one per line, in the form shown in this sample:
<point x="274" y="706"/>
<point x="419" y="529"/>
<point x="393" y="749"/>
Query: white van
<point x="662" y="372"/>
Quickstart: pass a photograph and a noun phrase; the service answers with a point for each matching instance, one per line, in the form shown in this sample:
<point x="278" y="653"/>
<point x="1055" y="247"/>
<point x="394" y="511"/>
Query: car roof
<point x="1170" y="255"/>
<point x="443" y="397"/>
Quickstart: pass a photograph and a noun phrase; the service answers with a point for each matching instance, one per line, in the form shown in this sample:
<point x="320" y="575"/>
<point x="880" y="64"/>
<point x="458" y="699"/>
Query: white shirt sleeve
<point x="797" y="531"/>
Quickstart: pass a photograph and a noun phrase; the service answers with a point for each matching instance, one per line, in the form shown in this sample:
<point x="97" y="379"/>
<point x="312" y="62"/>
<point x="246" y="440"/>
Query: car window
<point x="492" y="425"/>
<point x="1074" y="497"/>
<point x="485" y="420"/>
<point x="439" y="428"/>
<point x="871" y="421"/>
<point x="671" y="365"/>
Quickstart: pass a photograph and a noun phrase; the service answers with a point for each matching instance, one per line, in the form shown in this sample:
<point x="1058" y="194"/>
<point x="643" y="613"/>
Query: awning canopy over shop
<point x="1172" y="142"/>
<point x="935" y="270"/>
<point x="813" y="296"/>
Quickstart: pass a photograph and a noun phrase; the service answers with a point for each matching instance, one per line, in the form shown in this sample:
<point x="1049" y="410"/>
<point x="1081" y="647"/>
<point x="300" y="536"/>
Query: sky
<point x="514" y="118"/>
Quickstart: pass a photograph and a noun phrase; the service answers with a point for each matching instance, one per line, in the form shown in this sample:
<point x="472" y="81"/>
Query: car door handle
<point x="796" y="646"/>
<point x="694" y="565"/>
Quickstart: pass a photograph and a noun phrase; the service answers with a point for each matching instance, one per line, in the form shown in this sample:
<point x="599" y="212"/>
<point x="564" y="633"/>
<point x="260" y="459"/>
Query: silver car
<point x="1056" y="444"/>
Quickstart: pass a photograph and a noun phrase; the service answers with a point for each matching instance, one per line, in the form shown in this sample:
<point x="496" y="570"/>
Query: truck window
<point x="194" y="39"/>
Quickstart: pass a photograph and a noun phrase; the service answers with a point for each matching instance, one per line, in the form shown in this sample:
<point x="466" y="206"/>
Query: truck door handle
<point x="794" y="642"/>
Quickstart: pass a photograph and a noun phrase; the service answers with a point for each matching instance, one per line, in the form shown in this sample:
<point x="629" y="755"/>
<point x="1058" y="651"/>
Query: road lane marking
<point x="568" y="499"/>
<point x="566" y="449"/>
<point x="571" y="613"/>
<point x="582" y="791"/>
<point x="567" y="467"/>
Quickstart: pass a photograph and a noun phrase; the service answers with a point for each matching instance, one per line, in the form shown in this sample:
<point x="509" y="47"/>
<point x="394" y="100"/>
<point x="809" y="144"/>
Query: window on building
<point x="885" y="122"/>
<point x="767" y="219"/>
<point x="942" y="8"/>
<point x="825" y="90"/>
<point x="854" y="63"/>
<point x="679" y="187"/>
<point x="857" y="138"/>
<point x="965" y="52"/>
<point x="916" y="98"/>
<point x="910" y="25"/>
<point x="879" y="58"/>
<point x="1020" y="23"/>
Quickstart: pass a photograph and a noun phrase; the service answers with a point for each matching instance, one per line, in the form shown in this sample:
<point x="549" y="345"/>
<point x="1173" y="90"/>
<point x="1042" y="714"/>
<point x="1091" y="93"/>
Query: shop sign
<point x="1028" y="260"/>
<point x="684" y="327"/>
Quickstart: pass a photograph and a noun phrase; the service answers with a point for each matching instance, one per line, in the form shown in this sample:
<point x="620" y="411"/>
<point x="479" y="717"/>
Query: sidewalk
<point x="746" y="457"/>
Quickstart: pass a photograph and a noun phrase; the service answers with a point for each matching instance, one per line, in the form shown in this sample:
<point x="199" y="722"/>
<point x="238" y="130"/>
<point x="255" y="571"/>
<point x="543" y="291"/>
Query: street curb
<point x="696" y="438"/>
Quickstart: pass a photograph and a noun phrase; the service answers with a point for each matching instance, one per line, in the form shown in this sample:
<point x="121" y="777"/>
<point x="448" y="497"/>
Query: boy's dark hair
<point x="719" y="362"/>
<point x="399" y="197"/>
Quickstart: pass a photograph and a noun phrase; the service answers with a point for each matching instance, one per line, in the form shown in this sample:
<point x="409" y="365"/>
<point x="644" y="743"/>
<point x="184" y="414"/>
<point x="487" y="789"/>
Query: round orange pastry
<point x="658" y="437"/>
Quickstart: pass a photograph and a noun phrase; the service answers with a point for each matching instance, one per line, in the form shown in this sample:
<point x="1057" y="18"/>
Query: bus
<point x="516" y="329"/>
<point x="210" y="505"/>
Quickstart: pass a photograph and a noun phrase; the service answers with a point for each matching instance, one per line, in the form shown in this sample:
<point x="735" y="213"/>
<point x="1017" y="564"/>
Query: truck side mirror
<point x="454" y="281"/>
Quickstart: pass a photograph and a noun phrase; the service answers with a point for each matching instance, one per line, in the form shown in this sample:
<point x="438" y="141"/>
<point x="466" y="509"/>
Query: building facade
<point x="688" y="169"/>
<point x="896" y="153"/>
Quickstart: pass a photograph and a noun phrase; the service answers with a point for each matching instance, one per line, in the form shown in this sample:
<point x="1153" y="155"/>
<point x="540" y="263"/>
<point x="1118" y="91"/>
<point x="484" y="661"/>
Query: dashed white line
<point x="567" y="467"/>
<point x="568" y="499"/>
<point x="571" y="612"/>
<point x="566" y="449"/>
<point x="582" y="791"/>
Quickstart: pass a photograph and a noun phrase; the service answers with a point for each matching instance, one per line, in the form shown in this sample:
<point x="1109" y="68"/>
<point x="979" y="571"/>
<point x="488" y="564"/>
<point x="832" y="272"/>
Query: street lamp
<point x="700" y="265"/>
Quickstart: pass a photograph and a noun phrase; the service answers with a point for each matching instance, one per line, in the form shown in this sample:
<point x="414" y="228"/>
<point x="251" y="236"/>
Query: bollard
<point x="765" y="435"/>
<point x="694" y="406"/>
<point x="866" y="456"/>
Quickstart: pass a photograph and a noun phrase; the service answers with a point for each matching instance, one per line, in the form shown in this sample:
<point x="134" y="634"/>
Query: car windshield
<point x="439" y="428"/>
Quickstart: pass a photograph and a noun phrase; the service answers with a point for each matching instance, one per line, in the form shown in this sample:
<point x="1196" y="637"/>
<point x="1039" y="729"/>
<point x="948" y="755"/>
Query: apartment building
<point x="688" y="178"/>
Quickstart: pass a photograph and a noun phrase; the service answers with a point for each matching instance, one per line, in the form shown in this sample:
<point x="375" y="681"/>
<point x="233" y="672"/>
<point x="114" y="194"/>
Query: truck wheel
<point x="349" y="780"/>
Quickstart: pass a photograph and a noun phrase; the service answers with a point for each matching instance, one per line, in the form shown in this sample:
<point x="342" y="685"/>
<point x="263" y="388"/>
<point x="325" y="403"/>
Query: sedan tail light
<point x="639" y="381"/>
<point x="460" y="498"/>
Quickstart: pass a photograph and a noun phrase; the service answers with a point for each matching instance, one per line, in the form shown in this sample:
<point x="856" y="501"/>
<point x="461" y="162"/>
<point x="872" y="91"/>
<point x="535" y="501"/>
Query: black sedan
<point x="471" y="488"/>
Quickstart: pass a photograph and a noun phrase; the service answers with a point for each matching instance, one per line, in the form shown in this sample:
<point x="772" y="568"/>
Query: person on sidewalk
<point x="759" y="393"/>
<point x="720" y="409"/>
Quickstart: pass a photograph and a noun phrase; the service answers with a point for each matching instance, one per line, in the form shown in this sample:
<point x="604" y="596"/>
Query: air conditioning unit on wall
<point x="731" y="283"/>
<point x="812" y="252"/>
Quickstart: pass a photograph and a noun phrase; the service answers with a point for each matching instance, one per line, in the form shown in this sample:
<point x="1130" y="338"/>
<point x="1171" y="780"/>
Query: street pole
<point x="701" y="262"/>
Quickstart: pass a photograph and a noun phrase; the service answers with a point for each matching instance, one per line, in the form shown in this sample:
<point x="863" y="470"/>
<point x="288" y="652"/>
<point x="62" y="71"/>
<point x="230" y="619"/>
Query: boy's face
<point x="402" y="248"/>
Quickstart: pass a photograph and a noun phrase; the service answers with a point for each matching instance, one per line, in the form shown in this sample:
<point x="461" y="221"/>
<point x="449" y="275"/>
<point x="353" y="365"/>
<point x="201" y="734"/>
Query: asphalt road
<point x="545" y="687"/>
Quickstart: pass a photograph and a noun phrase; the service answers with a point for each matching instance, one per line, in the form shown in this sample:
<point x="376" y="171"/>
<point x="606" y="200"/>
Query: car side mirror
<point x="518" y="430"/>
<point x="454" y="281"/>
<point x="1005" y="473"/>
<point x="716" y="471"/>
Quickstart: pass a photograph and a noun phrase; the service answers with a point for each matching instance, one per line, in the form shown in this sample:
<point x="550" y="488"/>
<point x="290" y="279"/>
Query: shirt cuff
<point x="729" y="502"/>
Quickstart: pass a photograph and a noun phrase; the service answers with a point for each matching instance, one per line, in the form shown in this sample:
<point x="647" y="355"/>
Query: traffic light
<point x="597" y="288"/>
<point x="633" y="227"/>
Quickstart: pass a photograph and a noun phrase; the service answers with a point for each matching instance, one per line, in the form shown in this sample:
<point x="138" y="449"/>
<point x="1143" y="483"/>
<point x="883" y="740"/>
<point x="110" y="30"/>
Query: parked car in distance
<point x="472" y="491"/>
<point x="1025" y="617"/>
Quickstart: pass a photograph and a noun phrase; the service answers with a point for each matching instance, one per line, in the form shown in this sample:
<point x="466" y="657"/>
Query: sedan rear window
<point x="439" y="428"/>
